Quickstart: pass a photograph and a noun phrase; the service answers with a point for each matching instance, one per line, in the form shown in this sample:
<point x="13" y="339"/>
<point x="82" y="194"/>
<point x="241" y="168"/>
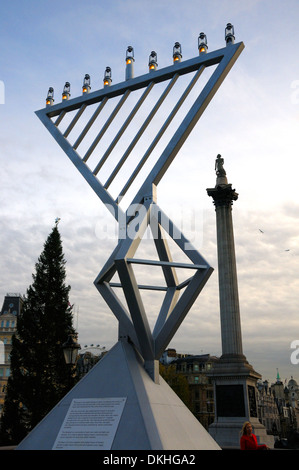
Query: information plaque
<point x="90" y="424"/>
<point x="230" y="400"/>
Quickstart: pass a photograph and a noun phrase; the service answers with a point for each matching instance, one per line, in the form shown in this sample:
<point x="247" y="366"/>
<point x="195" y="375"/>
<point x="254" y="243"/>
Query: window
<point x="210" y="408"/>
<point x="197" y="407"/>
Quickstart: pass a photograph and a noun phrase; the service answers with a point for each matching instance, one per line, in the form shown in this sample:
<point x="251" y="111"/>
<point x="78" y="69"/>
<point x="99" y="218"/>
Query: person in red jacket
<point x="248" y="440"/>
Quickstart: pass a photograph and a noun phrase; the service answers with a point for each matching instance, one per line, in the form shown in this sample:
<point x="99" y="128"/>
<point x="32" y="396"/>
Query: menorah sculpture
<point x="143" y="211"/>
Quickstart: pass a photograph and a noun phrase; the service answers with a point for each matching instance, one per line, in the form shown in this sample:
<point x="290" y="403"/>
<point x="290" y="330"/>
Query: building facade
<point x="277" y="404"/>
<point x="268" y="411"/>
<point x="286" y="398"/>
<point x="11" y="308"/>
<point x="195" y="368"/>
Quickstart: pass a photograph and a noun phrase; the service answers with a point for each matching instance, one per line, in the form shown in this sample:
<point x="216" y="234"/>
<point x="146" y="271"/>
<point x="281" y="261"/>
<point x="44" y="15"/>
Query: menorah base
<point x="117" y="406"/>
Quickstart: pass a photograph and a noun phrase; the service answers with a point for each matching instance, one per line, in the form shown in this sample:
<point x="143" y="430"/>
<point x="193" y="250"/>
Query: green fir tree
<point x="39" y="375"/>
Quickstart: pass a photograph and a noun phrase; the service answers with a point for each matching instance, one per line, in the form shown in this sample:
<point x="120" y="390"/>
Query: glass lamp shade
<point x="50" y="93"/>
<point x="50" y="96"/>
<point x="229" y="33"/>
<point x="202" y="43"/>
<point x="177" y="52"/>
<point x="66" y="91"/>
<point x="86" y="84"/>
<point x="70" y="350"/>
<point x="129" y="55"/>
<point x="152" y="61"/>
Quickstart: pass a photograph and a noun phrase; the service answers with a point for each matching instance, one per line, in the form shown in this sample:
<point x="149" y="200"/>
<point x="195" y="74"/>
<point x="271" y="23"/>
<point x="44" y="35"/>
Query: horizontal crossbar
<point x="166" y="263"/>
<point x="140" y="286"/>
<point x="160" y="75"/>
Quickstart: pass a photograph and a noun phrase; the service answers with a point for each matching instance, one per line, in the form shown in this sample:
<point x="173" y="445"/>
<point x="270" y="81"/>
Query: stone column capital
<point x="223" y="195"/>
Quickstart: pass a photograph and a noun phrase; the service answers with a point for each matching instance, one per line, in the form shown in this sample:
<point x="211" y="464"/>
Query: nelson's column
<point x="233" y="377"/>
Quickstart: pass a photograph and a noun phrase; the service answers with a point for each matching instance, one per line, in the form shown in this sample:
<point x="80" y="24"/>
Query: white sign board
<point x="90" y="424"/>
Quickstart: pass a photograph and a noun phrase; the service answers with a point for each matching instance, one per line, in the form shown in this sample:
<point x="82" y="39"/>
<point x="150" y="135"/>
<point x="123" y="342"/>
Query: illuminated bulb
<point x="152" y="62"/>
<point x="86" y="84"/>
<point x="66" y="91"/>
<point x="202" y="43"/>
<point x="50" y="97"/>
<point x="107" y="77"/>
<point x="177" y="52"/>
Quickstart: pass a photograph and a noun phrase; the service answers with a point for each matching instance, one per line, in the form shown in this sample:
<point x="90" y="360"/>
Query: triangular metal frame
<point x="223" y="58"/>
<point x="133" y="324"/>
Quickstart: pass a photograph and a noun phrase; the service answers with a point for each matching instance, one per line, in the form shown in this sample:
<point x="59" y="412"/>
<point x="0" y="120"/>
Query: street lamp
<point x="202" y="44"/>
<point x="177" y="52"/>
<point x="70" y="350"/>
<point x="66" y="91"/>
<point x="152" y="61"/>
<point x="107" y="77"/>
<point x="50" y="97"/>
<point x="229" y="34"/>
<point x="86" y="84"/>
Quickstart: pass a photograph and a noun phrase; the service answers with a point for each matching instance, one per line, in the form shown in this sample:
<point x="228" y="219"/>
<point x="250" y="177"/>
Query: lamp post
<point x="70" y="351"/>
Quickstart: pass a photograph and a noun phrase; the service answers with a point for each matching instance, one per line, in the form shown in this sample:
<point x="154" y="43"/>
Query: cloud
<point x="252" y="121"/>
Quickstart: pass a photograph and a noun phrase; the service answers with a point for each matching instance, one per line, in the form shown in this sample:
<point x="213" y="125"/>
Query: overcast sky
<point x="252" y="122"/>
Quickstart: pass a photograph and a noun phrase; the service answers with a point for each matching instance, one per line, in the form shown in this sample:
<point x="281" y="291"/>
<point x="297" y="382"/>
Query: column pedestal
<point x="235" y="402"/>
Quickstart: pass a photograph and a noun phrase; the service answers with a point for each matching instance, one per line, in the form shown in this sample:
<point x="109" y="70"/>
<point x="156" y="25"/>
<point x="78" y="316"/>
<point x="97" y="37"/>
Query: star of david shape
<point x="175" y="307"/>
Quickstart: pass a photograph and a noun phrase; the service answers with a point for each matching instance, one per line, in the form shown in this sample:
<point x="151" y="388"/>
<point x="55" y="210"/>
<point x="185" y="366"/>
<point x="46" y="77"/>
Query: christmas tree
<point x="39" y="375"/>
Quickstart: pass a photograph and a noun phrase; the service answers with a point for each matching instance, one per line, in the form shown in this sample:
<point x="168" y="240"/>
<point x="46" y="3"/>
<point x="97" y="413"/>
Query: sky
<point x="252" y="122"/>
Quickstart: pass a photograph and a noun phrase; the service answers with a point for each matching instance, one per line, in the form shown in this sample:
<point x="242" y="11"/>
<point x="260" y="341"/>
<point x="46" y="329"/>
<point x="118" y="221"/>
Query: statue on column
<point x="220" y="171"/>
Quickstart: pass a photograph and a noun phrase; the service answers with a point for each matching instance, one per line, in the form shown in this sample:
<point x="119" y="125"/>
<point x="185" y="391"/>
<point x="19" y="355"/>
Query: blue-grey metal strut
<point x="179" y="296"/>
